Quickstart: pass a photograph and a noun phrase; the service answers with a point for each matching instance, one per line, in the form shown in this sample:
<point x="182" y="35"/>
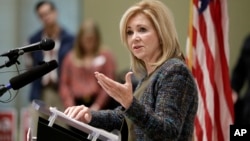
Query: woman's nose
<point x="136" y="36"/>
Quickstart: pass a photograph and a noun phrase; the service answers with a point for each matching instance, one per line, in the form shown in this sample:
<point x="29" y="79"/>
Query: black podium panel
<point x="57" y="133"/>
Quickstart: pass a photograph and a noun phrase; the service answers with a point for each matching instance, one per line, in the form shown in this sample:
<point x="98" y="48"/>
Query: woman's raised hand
<point x="122" y="93"/>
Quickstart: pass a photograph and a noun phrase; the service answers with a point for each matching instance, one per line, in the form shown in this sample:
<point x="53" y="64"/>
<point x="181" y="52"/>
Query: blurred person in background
<point x="78" y="84"/>
<point x="241" y="76"/>
<point x="46" y="88"/>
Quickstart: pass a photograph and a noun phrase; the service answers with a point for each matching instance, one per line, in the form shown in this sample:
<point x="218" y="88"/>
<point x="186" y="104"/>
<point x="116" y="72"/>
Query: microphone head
<point x="47" y="44"/>
<point x="33" y="74"/>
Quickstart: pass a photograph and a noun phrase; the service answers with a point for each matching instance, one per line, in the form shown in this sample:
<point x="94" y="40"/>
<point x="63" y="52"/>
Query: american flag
<point x="208" y="59"/>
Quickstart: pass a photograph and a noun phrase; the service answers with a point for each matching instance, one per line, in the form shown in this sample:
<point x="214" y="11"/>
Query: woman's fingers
<point x="103" y="85"/>
<point x="109" y="82"/>
<point x="69" y="110"/>
<point x="80" y="113"/>
<point x="73" y="111"/>
<point x="66" y="111"/>
<point x="84" y="116"/>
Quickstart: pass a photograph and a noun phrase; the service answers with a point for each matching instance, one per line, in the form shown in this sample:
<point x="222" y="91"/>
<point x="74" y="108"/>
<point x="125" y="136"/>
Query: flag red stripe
<point x="194" y="40"/>
<point x="198" y="129"/>
<point x="195" y="2"/>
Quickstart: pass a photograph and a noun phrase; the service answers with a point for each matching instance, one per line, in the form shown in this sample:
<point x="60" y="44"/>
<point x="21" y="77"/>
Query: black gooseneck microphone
<point x="44" y="44"/>
<point x="23" y="79"/>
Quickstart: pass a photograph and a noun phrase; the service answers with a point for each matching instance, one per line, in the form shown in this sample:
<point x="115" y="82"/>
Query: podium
<point x="48" y="130"/>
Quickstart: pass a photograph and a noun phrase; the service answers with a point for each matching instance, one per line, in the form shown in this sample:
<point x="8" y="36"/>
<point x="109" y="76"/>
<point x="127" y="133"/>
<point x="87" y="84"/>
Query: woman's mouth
<point x="137" y="47"/>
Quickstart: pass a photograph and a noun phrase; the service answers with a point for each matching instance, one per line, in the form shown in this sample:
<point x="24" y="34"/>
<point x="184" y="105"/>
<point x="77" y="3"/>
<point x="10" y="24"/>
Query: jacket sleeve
<point x="175" y="92"/>
<point x="108" y="119"/>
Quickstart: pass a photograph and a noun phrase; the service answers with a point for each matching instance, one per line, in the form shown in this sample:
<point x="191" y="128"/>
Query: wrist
<point x="95" y="107"/>
<point x="128" y="103"/>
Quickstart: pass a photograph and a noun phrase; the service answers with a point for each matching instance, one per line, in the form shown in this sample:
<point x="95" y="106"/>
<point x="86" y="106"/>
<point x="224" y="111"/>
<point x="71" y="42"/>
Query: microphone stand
<point x="13" y="56"/>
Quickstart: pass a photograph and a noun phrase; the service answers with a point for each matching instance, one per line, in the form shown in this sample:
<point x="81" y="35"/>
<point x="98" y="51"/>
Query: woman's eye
<point x="129" y="32"/>
<point x="142" y="29"/>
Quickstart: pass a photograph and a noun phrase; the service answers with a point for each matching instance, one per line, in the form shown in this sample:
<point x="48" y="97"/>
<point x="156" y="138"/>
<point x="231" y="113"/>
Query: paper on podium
<point x="94" y="133"/>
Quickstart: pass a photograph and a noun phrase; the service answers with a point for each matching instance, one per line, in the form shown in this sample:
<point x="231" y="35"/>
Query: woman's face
<point x="142" y="39"/>
<point x="89" y="42"/>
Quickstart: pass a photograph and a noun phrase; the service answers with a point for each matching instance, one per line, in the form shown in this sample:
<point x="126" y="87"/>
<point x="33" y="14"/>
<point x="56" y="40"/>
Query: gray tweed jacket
<point x="166" y="110"/>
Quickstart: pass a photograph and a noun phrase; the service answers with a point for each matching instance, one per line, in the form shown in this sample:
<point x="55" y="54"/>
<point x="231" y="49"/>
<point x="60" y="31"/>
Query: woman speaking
<point x="165" y="101"/>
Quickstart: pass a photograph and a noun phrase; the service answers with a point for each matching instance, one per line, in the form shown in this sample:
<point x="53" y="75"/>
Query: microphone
<point x="44" y="44"/>
<point x="29" y="76"/>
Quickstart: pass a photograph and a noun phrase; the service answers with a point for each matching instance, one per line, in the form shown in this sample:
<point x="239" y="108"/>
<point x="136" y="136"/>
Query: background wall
<point x="239" y="27"/>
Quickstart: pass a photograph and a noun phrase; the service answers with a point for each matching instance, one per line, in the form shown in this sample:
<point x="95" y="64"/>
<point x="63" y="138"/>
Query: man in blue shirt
<point x="46" y="87"/>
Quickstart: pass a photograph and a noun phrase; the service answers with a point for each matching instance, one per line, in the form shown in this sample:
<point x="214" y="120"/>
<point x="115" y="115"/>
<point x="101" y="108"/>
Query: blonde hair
<point x="163" y="22"/>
